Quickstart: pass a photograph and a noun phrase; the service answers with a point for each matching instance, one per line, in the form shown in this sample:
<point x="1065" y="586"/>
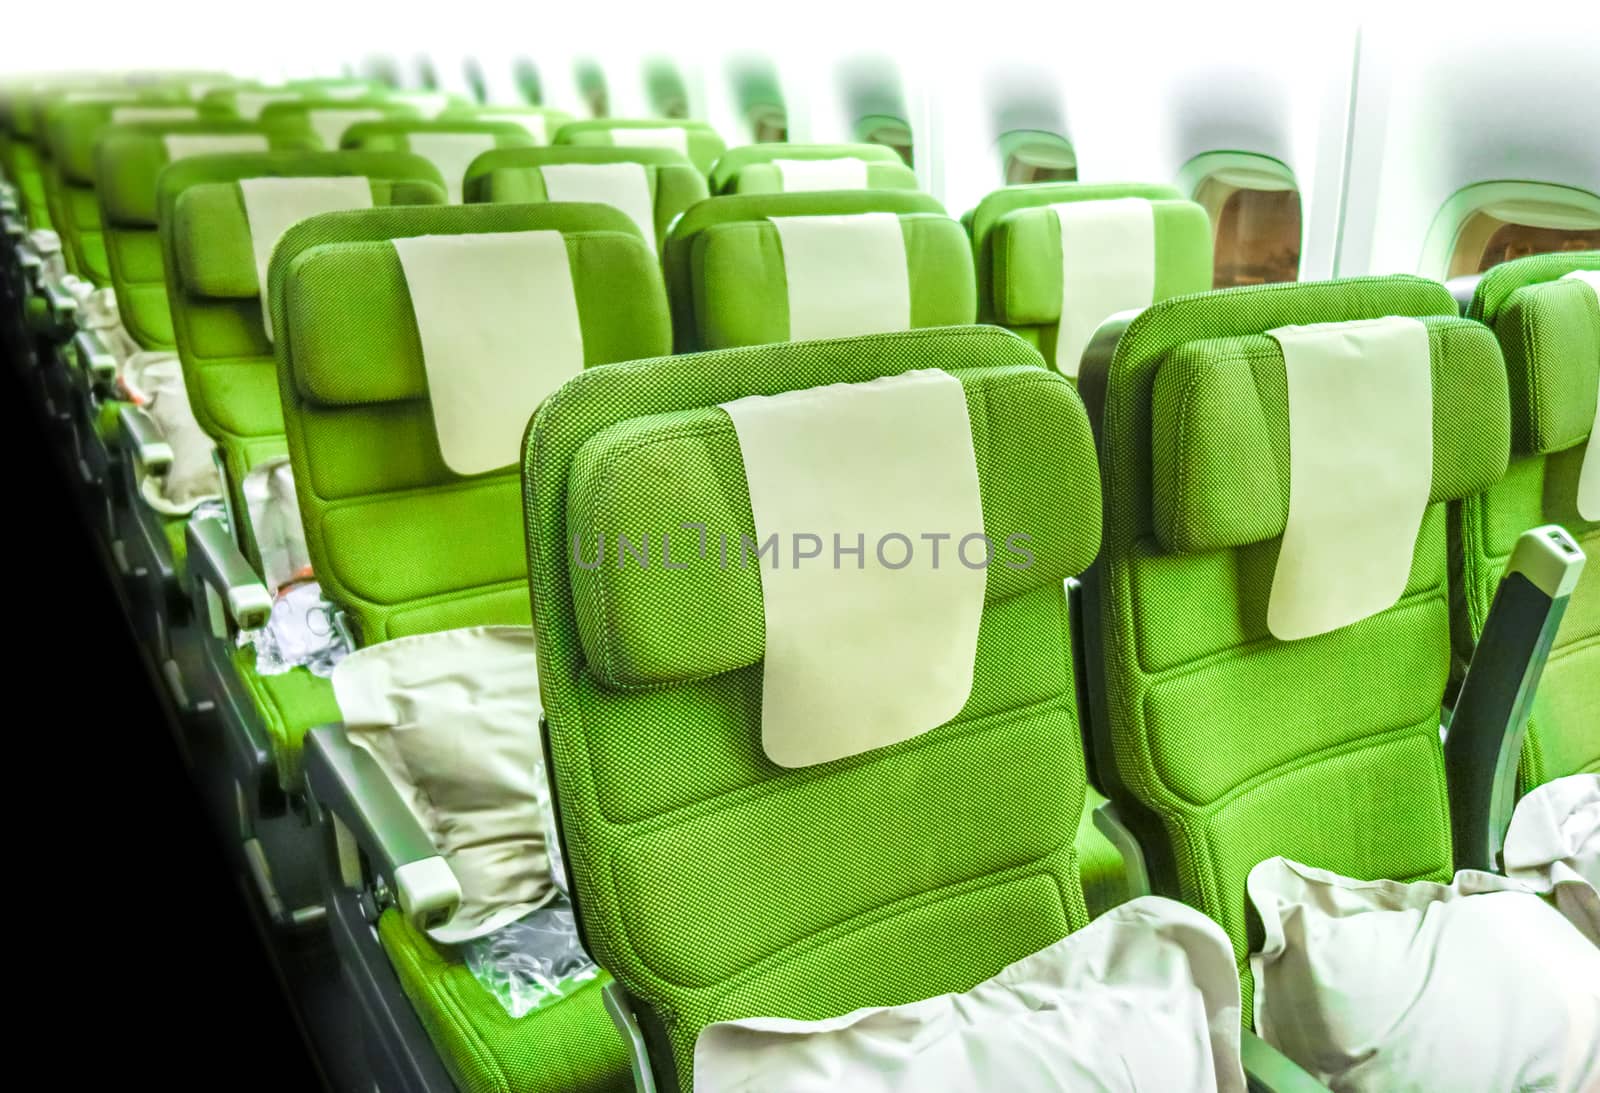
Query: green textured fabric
<point x="684" y="239"/>
<point x="704" y="145"/>
<point x="398" y="540"/>
<point x="128" y="161"/>
<point x="729" y="174"/>
<point x="391" y="134"/>
<point x="741" y="295"/>
<point x="294" y="117"/>
<point x="1221" y="745"/>
<point x="1550" y="332"/>
<point x="1220" y="427"/>
<point x="715" y="885"/>
<point x="1017" y="247"/>
<point x="559" y="1048"/>
<point x="513" y="177"/>
<point x="289" y="705"/>
<point x="228" y="366"/>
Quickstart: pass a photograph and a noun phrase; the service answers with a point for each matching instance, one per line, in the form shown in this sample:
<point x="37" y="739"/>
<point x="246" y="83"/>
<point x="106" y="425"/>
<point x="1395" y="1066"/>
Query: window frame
<point x="1510" y="201"/>
<point x="1253" y="171"/>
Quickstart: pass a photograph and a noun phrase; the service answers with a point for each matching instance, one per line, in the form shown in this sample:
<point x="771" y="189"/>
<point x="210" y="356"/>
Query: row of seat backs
<point x="714" y="885"/>
<point x="1550" y="332"/>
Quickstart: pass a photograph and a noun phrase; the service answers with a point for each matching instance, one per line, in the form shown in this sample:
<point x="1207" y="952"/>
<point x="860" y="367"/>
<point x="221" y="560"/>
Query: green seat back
<point x="1220" y="744"/>
<point x="710" y="882"/>
<point x="725" y="271"/>
<point x="72" y="129"/>
<point x="541" y="122"/>
<point x="398" y="540"/>
<point x="128" y="161"/>
<point x="396" y="135"/>
<point x="750" y="169"/>
<point x="513" y="176"/>
<point x="703" y="145"/>
<point x="1549" y="331"/>
<point x="228" y="367"/>
<point x="1016" y="244"/>
<point x="295" y="117"/>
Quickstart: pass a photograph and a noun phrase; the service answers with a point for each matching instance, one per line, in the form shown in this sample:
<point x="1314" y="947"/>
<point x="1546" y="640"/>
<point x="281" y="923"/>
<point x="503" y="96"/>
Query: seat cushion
<point x="1105" y="884"/>
<point x="289" y="705"/>
<point x="568" y="1045"/>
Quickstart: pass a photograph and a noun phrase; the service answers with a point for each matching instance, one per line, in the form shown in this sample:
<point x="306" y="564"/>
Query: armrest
<point x="29" y="259"/>
<point x="349" y="783"/>
<point x="141" y="438"/>
<point x="62" y="303"/>
<point x="99" y="364"/>
<point x="215" y="559"/>
<point x="1463" y="289"/>
<point x="14" y="227"/>
<point x="1484" y="739"/>
<point x="1268" y="1070"/>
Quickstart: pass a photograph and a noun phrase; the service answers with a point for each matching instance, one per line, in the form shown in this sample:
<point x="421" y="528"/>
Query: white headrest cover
<point x="662" y="136"/>
<point x="846" y="275"/>
<point x="1360" y="471"/>
<point x="871" y="647"/>
<point x="182" y="145"/>
<point x="498" y="320"/>
<point x="842" y="173"/>
<point x="329" y="125"/>
<point x="274" y="205"/>
<point x="452" y="153"/>
<point x="623" y="186"/>
<point x="1108" y="262"/>
<point x="128" y="115"/>
<point x="1589" y="474"/>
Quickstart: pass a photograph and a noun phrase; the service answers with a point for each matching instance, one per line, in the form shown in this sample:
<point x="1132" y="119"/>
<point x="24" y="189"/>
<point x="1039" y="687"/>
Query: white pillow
<point x="1146" y="997"/>
<point x="453" y="720"/>
<point x="1553" y="846"/>
<point x="1377" y="985"/>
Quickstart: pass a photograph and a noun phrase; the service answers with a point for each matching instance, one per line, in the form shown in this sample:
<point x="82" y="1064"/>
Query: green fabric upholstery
<point x="749" y="169"/>
<point x="128" y="160"/>
<point x="553" y="119"/>
<point x="387" y="524"/>
<point x="1549" y="330"/>
<point x="704" y="145"/>
<point x="294" y="118"/>
<point x="683" y="257"/>
<point x="557" y="1047"/>
<point x="715" y="885"/>
<point x="405" y="546"/>
<point x="390" y="135"/>
<point x="228" y="366"/>
<point x="289" y="705"/>
<point x="1220" y="426"/>
<point x="512" y="176"/>
<point x="1220" y="745"/>
<point x="73" y="129"/>
<point x="1016" y="242"/>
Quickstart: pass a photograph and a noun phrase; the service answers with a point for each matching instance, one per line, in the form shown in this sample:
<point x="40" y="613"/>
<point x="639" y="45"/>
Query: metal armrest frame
<point x="95" y="359"/>
<point x="139" y="436"/>
<point x="1483" y="741"/>
<point x="231" y="584"/>
<point x="347" y="782"/>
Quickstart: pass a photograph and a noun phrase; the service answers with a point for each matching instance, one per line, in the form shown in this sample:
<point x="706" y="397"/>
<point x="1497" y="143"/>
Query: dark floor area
<point x="122" y="901"/>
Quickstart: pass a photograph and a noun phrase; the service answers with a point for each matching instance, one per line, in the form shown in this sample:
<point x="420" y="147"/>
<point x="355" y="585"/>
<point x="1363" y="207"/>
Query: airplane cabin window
<point x="526" y="75"/>
<point x="1031" y="155"/>
<point x="768" y="124"/>
<point x="476" y="80"/>
<point x="427" y="74"/>
<point x="1254" y="205"/>
<point x="760" y="99"/>
<point x="890" y="132"/>
<point x="592" y="86"/>
<point x="1486" y="240"/>
<point x="669" y="97"/>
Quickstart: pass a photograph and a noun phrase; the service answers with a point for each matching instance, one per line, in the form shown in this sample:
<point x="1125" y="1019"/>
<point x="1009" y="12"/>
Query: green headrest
<point x="553" y="119"/>
<point x="1220" y="425"/>
<point x="366" y="350"/>
<point x="678" y="252"/>
<point x="740" y="291"/>
<point x="390" y="134"/>
<point x="130" y="157"/>
<point x="988" y="212"/>
<point x="766" y="178"/>
<point x="735" y="160"/>
<point x="75" y="129"/>
<point x="295" y="117"/>
<point x="648" y="475"/>
<point x="1549" y="330"/>
<point x="1025" y="261"/>
<point x="212" y="232"/>
<point x="512" y="174"/>
<point x="704" y="144"/>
